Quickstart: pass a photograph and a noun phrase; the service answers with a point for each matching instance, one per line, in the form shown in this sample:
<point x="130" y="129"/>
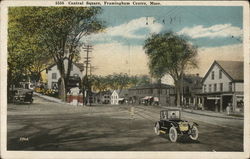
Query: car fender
<point x="174" y="124"/>
<point x="159" y="123"/>
<point x="191" y="124"/>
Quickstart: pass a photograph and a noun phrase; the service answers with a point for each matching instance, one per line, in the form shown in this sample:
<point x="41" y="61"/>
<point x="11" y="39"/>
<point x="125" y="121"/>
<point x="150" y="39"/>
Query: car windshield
<point x="173" y="114"/>
<point x="170" y="114"/>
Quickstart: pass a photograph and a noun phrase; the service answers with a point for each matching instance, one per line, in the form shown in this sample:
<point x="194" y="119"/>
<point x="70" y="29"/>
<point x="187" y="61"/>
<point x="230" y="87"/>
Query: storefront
<point x="219" y="102"/>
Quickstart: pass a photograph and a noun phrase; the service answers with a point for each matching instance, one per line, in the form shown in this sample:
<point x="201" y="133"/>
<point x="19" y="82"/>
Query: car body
<point x="22" y="96"/>
<point x="170" y="123"/>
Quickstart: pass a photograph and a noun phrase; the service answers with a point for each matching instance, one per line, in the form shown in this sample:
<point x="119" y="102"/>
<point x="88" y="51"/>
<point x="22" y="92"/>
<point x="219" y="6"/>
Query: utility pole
<point x="87" y="49"/>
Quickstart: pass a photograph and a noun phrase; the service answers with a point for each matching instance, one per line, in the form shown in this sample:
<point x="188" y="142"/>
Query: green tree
<point x="26" y="56"/>
<point x="60" y="30"/>
<point x="171" y="54"/>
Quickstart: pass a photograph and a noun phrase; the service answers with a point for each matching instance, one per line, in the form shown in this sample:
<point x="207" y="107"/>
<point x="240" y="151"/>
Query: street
<point x="49" y="126"/>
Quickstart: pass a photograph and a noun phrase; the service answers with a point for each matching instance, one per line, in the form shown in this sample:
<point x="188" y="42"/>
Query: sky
<point x="216" y="31"/>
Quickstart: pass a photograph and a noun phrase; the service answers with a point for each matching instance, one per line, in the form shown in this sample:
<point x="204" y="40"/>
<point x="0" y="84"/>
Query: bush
<point x="48" y="92"/>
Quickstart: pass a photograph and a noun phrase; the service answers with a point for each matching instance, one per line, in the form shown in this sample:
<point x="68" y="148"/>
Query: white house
<point x="223" y="84"/>
<point x="53" y="74"/>
<point x="114" y="98"/>
<point x="118" y="96"/>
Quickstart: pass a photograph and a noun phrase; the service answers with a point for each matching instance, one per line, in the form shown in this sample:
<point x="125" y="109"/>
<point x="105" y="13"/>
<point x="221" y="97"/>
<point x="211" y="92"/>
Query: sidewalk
<point x="52" y="99"/>
<point x="210" y="113"/>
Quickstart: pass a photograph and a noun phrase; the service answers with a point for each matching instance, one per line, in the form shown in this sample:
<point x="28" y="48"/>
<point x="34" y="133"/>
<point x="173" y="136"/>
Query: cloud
<point x="206" y="56"/>
<point x="114" y="57"/>
<point x="220" y="30"/>
<point x="130" y="30"/>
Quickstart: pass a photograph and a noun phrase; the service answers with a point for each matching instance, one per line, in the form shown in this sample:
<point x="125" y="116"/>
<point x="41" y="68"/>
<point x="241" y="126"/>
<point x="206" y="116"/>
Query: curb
<point x="224" y="117"/>
<point x="52" y="99"/>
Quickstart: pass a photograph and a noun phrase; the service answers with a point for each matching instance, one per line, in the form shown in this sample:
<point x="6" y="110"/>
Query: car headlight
<point x="183" y="126"/>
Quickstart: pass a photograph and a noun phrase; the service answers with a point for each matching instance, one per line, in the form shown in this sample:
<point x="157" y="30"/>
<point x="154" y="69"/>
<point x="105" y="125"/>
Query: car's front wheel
<point x="157" y="128"/>
<point x="173" y="136"/>
<point x="194" y="133"/>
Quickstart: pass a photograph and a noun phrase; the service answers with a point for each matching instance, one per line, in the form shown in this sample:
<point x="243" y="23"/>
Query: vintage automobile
<point x="22" y="96"/>
<point x="170" y="123"/>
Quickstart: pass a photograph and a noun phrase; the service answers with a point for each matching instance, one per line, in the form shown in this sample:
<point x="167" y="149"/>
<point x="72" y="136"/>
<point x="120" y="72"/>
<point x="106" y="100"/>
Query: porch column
<point x="203" y="101"/>
<point x="234" y="102"/>
<point x="221" y="109"/>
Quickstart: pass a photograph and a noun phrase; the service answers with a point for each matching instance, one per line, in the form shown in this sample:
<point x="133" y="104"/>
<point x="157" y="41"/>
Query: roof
<point x="122" y="93"/>
<point x="152" y="86"/>
<point x="79" y="65"/>
<point x="233" y="69"/>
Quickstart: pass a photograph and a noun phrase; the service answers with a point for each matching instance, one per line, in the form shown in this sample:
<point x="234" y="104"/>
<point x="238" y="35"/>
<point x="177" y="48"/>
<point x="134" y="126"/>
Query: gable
<point x="216" y="67"/>
<point x="114" y="93"/>
<point x="79" y="66"/>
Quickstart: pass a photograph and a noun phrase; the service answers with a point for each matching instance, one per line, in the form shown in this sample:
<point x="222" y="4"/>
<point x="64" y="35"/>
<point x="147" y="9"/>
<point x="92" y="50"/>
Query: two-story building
<point x="223" y="84"/>
<point x="103" y="97"/>
<point x="192" y="87"/>
<point x="53" y="74"/>
<point x="162" y="94"/>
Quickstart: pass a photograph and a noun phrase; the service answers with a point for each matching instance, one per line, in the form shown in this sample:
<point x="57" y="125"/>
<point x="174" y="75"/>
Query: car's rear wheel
<point x="194" y="133"/>
<point x="173" y="136"/>
<point x="157" y="128"/>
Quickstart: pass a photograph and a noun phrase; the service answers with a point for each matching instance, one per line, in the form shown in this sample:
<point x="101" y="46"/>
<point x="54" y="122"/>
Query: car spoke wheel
<point x="157" y="128"/>
<point x="173" y="134"/>
<point x="194" y="133"/>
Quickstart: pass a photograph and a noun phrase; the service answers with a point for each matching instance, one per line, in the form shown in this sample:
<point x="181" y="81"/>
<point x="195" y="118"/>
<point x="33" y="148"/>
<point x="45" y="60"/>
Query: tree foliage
<point x="117" y="81"/>
<point x="26" y="56"/>
<point x="59" y="30"/>
<point x="171" y="54"/>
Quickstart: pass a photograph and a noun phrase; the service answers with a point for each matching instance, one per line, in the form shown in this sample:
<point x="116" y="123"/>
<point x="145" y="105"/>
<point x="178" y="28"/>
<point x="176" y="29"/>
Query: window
<point x="212" y="77"/>
<point x="210" y="88"/>
<point x="215" y="87"/>
<point x="220" y="74"/>
<point x="230" y="86"/>
<point x="76" y="75"/>
<point x="151" y="91"/>
<point x="221" y="87"/>
<point x="159" y="91"/>
<point x="54" y="85"/>
<point x="205" y="88"/>
<point x="167" y="91"/>
<point x="53" y="75"/>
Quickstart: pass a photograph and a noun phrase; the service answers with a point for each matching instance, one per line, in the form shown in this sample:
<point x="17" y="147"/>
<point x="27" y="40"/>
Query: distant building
<point x="119" y="96"/>
<point x="53" y="74"/>
<point x="192" y="87"/>
<point x="103" y="97"/>
<point x="224" y="84"/>
<point x="150" y="94"/>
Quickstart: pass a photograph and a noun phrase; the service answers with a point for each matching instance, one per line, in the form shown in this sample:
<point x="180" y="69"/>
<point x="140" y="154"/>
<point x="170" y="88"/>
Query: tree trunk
<point x="62" y="89"/>
<point x="177" y="87"/>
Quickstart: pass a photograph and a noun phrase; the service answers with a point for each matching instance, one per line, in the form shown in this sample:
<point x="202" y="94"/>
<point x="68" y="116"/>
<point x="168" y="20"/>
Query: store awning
<point x="120" y="99"/>
<point x="156" y="99"/>
<point x="213" y="98"/>
<point x="147" y="97"/>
